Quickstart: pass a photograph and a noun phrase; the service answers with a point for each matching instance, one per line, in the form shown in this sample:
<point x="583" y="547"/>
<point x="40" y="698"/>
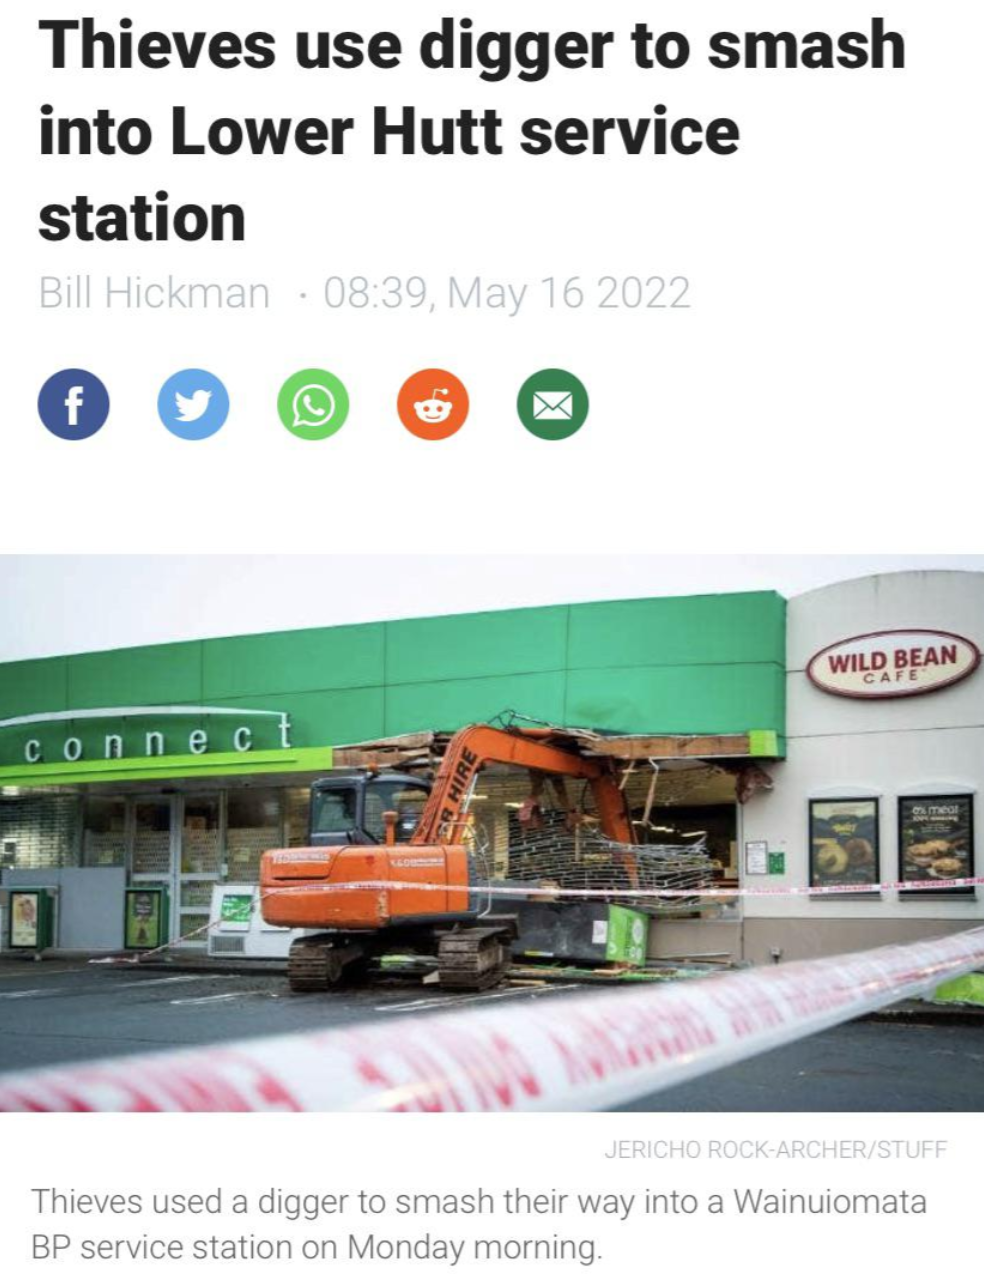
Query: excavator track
<point x="316" y="964"/>
<point x="473" y="958"/>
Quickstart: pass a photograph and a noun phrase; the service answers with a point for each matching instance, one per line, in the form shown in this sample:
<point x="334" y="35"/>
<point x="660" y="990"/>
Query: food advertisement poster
<point x="143" y="920"/>
<point x="25" y="920"/>
<point x="936" y="839"/>
<point x="844" y="843"/>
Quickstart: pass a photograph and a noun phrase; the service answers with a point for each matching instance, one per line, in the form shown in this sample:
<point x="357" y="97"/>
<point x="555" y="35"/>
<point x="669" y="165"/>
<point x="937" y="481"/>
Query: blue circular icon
<point x="73" y="404"/>
<point x="193" y="404"/>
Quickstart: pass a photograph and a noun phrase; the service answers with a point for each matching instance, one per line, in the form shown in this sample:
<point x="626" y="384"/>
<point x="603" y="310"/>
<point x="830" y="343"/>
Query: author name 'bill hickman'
<point x="133" y="292"/>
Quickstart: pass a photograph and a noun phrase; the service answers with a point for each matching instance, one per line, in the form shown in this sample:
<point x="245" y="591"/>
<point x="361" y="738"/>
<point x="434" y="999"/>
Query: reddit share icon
<point x="433" y="404"/>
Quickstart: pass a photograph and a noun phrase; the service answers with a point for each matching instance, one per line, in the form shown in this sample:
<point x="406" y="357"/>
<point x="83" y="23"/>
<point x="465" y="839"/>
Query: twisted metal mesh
<point x="556" y="856"/>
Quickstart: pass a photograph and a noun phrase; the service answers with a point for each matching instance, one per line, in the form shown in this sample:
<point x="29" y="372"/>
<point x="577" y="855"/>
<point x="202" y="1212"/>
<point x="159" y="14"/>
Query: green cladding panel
<point x="705" y="664"/>
<point x="165" y="674"/>
<point x="723" y="630"/>
<point x="678" y="699"/>
<point x="337" y="716"/>
<point x="476" y="645"/>
<point x="294" y="661"/>
<point x="455" y="702"/>
<point x="33" y="687"/>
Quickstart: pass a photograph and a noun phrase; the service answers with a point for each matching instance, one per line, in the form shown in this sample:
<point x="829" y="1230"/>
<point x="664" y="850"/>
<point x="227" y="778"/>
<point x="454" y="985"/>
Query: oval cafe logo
<point x="894" y="663"/>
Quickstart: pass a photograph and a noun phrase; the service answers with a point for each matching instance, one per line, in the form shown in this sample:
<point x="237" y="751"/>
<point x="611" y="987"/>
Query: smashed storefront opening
<point x="835" y="741"/>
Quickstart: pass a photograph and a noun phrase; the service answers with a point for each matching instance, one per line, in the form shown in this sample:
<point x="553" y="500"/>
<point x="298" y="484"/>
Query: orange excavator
<point x="391" y="866"/>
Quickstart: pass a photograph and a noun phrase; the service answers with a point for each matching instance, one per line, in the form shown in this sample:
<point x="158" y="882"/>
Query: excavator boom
<point x="473" y="748"/>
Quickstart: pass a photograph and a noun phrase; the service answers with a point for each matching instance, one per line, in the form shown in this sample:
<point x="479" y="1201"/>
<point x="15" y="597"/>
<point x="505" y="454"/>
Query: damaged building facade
<point x="827" y="751"/>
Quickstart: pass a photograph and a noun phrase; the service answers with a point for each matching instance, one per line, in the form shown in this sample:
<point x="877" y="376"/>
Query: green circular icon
<point x="553" y="404"/>
<point x="313" y="404"/>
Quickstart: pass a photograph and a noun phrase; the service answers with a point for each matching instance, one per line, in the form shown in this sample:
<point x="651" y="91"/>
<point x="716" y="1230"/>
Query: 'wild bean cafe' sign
<point x="140" y="732"/>
<point x="894" y="663"/>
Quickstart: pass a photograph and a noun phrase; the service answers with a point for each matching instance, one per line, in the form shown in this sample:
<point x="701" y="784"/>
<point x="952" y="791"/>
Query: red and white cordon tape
<point x="570" y="1053"/>
<point x="549" y="891"/>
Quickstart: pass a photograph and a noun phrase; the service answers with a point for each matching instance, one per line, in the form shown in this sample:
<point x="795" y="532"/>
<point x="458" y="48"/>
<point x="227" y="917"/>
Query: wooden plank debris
<point x="730" y="746"/>
<point x="422" y="750"/>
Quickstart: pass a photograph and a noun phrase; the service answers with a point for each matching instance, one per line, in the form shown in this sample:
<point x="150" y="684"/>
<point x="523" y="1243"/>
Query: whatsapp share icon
<point x="313" y="404"/>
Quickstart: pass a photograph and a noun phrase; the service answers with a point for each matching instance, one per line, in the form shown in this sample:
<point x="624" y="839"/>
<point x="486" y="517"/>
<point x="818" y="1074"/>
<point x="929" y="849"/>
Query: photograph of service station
<point x="832" y="739"/>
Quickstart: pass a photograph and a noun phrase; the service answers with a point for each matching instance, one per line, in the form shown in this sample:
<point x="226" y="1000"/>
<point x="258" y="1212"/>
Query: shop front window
<point x="254" y="826"/>
<point x="151" y="838"/>
<point x="297" y="802"/>
<point x="201" y="837"/>
<point x="39" y="832"/>
<point x="104" y="832"/>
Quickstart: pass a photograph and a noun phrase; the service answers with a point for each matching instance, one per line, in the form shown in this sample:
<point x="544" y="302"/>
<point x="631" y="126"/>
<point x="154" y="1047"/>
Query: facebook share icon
<point x="73" y="404"/>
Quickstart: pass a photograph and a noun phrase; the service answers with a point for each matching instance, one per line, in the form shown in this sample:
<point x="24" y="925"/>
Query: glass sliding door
<point x="188" y="843"/>
<point x="200" y="864"/>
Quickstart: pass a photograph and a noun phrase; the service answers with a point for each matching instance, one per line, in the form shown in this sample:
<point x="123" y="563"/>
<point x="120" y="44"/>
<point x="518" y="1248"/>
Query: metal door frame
<point x="174" y="841"/>
<point x="178" y="875"/>
<point x="174" y="878"/>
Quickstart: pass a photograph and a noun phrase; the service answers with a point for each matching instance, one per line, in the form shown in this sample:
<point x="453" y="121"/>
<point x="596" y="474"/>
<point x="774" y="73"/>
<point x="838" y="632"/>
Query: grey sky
<point x="53" y="604"/>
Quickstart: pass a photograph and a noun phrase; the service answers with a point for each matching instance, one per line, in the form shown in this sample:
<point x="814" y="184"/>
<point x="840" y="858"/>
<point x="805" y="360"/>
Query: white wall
<point x="843" y="748"/>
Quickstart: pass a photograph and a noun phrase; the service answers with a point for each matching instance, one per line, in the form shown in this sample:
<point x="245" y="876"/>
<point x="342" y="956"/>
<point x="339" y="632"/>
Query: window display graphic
<point x="936" y="839"/>
<point x="844" y="843"/>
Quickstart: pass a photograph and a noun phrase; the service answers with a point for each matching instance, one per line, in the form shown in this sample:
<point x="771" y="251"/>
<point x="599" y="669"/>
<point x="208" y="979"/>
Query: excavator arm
<point x="472" y="748"/>
<point x="332" y="886"/>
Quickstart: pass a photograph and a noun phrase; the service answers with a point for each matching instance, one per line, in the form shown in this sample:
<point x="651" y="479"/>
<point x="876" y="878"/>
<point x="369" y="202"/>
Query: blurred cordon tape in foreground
<point x="573" y="1053"/>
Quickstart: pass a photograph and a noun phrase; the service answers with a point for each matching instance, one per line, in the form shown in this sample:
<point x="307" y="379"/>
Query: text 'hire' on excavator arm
<point x="472" y="748"/>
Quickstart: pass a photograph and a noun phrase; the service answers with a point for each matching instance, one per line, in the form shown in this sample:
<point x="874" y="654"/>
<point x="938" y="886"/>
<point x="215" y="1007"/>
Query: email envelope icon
<point x="553" y="406"/>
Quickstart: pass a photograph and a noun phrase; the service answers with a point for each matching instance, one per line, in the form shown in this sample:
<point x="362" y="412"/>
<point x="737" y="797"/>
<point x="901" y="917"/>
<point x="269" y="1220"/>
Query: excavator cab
<point x="347" y="808"/>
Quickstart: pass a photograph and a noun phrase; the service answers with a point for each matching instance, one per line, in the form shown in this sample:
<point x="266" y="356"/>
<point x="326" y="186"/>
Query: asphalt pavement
<point x="57" y="1012"/>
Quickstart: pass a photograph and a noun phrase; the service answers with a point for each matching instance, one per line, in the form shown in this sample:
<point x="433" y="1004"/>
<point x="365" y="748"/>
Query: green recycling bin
<point x="32" y="918"/>
<point x="145" y="918"/>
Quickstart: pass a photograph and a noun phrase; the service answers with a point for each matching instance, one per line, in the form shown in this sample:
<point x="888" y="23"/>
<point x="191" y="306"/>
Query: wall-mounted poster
<point x="936" y="841"/>
<point x="844" y="843"/>
<point x="31" y="919"/>
<point x="24" y="920"/>
<point x="145" y="918"/>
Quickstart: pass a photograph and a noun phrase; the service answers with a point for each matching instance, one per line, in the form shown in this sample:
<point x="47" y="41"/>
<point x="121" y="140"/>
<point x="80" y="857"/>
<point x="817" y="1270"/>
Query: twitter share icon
<point x="193" y="404"/>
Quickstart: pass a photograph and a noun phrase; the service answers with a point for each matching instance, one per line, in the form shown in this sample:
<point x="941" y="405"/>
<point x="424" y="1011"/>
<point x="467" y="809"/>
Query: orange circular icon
<point x="433" y="404"/>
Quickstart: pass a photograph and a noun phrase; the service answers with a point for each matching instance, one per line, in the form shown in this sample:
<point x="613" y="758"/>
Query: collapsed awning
<point x="737" y="753"/>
